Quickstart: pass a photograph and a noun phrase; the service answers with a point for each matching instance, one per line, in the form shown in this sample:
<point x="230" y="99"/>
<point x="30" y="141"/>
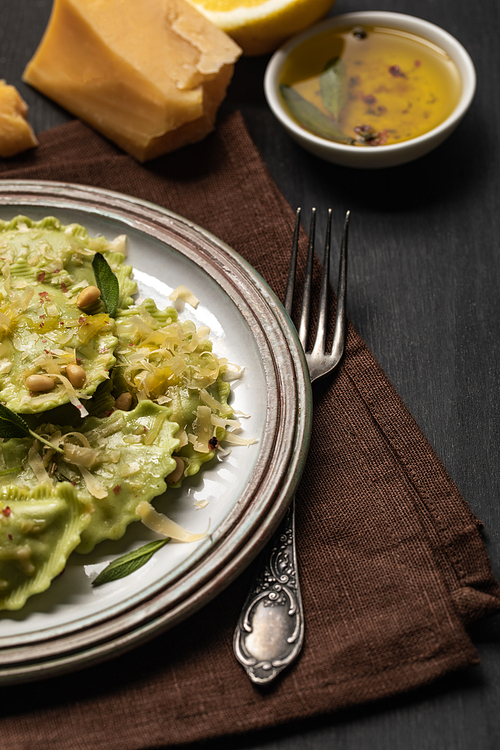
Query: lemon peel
<point x="260" y="26"/>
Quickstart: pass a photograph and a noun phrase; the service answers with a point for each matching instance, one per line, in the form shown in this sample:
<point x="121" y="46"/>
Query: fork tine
<point x="340" y="319"/>
<point x="321" y="332"/>
<point x="306" y="294"/>
<point x="293" y="266"/>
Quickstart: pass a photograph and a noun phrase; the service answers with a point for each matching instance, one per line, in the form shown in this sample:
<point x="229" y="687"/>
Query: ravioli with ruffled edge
<point x="115" y="460"/>
<point x="44" y="266"/>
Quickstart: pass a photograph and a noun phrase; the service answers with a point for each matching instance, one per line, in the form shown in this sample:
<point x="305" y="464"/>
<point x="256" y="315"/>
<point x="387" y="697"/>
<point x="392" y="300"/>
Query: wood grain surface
<point x="424" y="283"/>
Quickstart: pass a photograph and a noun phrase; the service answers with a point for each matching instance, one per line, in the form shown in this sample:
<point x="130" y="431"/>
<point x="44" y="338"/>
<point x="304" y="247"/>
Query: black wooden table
<point x="424" y="285"/>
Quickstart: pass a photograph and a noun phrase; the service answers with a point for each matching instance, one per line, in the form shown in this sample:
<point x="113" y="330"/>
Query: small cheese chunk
<point x="16" y="134"/>
<point x="150" y="76"/>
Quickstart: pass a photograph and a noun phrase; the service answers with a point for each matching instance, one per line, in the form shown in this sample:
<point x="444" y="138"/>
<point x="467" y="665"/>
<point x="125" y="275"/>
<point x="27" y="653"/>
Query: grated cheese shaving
<point x="79" y="456"/>
<point x="203" y="427"/>
<point x="233" y="439"/>
<point x="71" y="394"/>
<point x="182" y="437"/>
<point x="119" y="244"/>
<point x="213" y="403"/>
<point x="164" y="525"/>
<point x="185" y="294"/>
<point x="93" y="485"/>
<point x="232" y="372"/>
<point x="36" y="464"/>
<point x="220" y="422"/>
<point x="201" y="503"/>
<point x="153" y="433"/>
<point x="131" y="469"/>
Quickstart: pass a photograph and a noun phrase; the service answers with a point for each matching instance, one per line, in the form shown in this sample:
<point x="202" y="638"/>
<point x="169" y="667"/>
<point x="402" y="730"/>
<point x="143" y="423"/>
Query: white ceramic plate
<point x="244" y="496"/>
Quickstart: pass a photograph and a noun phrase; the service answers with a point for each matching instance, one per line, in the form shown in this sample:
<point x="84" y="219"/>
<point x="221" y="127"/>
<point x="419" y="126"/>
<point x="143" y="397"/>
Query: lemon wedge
<point x="260" y="26"/>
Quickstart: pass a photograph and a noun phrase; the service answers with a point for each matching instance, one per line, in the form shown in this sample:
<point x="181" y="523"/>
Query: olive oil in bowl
<point x="369" y="85"/>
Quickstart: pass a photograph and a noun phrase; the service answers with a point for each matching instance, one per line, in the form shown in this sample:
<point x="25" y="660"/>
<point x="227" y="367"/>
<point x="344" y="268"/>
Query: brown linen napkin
<point x="392" y="561"/>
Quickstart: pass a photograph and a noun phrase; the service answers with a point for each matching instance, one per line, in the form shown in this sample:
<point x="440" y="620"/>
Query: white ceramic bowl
<point x="383" y="156"/>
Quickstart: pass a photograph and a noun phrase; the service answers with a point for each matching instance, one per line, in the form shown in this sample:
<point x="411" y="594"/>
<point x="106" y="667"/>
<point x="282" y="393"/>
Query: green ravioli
<point x="39" y="528"/>
<point x="113" y="464"/>
<point x="170" y="362"/>
<point x="142" y="358"/>
<point x="43" y="267"/>
<point x="140" y="446"/>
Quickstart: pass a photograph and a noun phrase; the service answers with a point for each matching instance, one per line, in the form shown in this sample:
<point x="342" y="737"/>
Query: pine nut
<point x="88" y="297"/>
<point x="124" y="401"/>
<point x="39" y="383"/>
<point x="76" y="375"/>
<point x="177" y="473"/>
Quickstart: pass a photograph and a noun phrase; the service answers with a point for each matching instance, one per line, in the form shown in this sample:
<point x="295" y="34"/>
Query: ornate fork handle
<point x="270" y="631"/>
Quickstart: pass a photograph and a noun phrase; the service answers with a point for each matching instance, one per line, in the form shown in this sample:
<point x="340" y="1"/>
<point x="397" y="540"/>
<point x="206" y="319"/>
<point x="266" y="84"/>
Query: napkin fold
<point x="391" y="558"/>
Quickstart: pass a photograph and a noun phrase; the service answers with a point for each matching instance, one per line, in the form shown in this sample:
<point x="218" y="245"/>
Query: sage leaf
<point x="333" y="86"/>
<point x="14" y="426"/>
<point x="129" y="563"/>
<point x="311" y="118"/>
<point x="107" y="282"/>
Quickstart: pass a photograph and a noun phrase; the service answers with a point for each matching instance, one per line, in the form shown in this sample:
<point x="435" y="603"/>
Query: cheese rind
<point x="16" y="134"/>
<point x="150" y="83"/>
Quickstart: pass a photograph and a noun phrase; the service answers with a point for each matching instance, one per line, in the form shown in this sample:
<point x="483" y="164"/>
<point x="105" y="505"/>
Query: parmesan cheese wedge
<point x="16" y="134"/>
<point x="150" y="76"/>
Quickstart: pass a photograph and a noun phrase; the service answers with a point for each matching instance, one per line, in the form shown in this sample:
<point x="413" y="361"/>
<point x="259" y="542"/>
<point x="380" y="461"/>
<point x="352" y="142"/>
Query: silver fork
<point x="270" y="630"/>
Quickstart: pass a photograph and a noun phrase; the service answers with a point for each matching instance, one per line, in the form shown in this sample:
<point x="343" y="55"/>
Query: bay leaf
<point x="333" y="86"/>
<point x="312" y="118"/>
